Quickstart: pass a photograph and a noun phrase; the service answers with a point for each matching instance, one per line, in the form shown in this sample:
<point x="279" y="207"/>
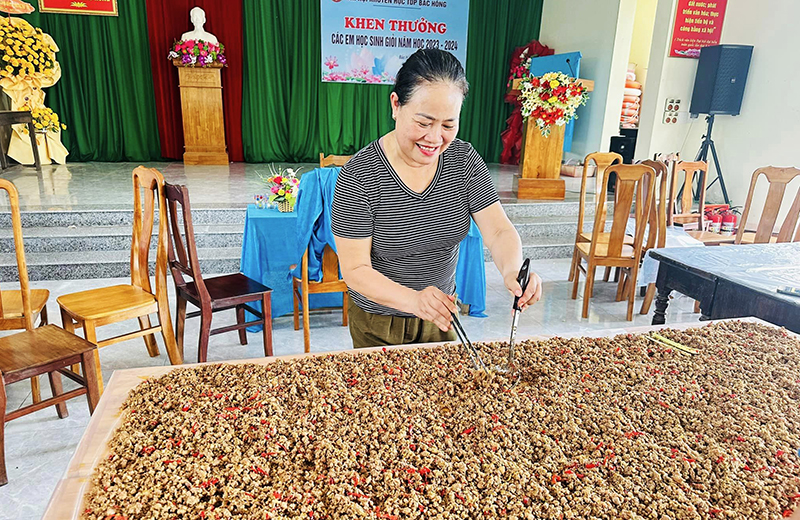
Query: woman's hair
<point x="428" y="65"/>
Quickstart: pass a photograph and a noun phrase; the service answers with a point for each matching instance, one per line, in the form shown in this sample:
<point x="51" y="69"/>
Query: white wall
<point x="642" y="37"/>
<point x="767" y="131"/>
<point x="601" y="30"/>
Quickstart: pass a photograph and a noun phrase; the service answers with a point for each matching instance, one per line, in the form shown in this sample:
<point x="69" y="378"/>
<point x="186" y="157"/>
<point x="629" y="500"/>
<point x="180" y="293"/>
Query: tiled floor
<point x="39" y="446"/>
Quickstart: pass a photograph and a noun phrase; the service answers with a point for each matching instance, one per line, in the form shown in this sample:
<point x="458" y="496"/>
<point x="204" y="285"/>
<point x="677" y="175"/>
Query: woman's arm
<point x="502" y="239"/>
<point x="430" y="304"/>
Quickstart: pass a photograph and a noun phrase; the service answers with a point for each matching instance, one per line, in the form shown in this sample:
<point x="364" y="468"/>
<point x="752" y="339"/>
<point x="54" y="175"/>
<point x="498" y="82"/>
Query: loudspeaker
<point x="721" y="76"/>
<point x="625" y="146"/>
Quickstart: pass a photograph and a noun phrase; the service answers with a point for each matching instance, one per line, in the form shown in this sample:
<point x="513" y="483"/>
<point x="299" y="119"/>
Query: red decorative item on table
<point x="518" y="68"/>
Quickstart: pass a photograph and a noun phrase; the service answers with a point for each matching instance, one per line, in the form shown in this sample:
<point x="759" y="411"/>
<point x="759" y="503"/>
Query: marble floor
<point x="100" y="186"/>
<point x="39" y="446"/>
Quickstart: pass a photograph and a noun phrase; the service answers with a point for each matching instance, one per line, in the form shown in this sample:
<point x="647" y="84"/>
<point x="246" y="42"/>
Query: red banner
<point x="101" y="7"/>
<point x="698" y="24"/>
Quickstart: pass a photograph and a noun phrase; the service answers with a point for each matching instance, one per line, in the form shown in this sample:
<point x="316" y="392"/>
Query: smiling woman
<point x="404" y="202"/>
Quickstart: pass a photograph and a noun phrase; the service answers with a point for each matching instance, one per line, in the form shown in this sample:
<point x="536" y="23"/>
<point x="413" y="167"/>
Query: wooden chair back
<point x="148" y="185"/>
<point x="657" y="234"/>
<point x="602" y="162"/>
<point x="778" y="178"/>
<point x="683" y="213"/>
<point x="19" y="249"/>
<point x="332" y="160"/>
<point x="182" y="240"/>
<point x="670" y="160"/>
<point x="634" y="195"/>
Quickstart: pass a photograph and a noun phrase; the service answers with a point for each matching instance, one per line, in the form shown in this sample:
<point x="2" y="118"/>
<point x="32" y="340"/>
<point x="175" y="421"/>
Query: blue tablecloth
<point x="271" y="245"/>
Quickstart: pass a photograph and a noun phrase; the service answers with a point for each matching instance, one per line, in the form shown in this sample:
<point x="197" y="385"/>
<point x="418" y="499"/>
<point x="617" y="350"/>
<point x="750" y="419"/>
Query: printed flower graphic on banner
<point x="331" y="62"/>
<point x="362" y="61"/>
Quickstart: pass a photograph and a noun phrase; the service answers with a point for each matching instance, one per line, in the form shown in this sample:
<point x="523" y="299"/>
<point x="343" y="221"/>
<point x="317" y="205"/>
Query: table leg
<point x="36" y="161"/>
<point x="91" y="375"/>
<point x="662" y="302"/>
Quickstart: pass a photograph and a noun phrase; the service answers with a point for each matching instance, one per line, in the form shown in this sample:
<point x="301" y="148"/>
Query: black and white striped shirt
<point x="415" y="236"/>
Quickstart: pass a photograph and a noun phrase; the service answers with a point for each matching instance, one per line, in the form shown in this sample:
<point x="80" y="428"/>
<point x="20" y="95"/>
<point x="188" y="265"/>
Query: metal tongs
<point x="522" y="278"/>
<point x="474" y="355"/>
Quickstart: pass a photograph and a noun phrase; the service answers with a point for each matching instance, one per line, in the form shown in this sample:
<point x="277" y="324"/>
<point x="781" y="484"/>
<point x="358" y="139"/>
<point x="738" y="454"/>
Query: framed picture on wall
<point x="95" y="7"/>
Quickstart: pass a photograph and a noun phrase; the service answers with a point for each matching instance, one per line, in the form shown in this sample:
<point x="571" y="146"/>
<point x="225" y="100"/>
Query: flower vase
<point x="285" y="207"/>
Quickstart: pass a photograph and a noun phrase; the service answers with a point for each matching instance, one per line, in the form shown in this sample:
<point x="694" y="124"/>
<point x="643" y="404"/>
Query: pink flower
<point x="275" y="189"/>
<point x="331" y="62"/>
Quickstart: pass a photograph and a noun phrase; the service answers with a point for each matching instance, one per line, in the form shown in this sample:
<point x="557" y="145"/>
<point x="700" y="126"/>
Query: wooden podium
<point x="539" y="176"/>
<point x="203" y="121"/>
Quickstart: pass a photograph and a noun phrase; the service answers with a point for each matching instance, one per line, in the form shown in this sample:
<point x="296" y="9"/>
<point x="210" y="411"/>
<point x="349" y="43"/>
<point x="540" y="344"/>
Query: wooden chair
<point x="778" y="179"/>
<point x="47" y="350"/>
<point x="635" y="183"/>
<point x="20" y="309"/>
<point x="680" y="211"/>
<point x="97" y="307"/>
<point x="211" y="294"/>
<point x="602" y="161"/>
<point x="332" y="160"/>
<point x="302" y="287"/>
<point x="657" y="235"/>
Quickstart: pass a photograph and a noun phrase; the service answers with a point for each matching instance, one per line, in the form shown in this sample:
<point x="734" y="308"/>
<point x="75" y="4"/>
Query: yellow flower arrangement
<point x="24" y="50"/>
<point x="44" y="120"/>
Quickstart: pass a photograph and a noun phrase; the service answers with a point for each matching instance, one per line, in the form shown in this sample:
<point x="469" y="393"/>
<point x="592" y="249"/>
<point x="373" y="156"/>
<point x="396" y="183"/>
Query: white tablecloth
<point x="676" y="237"/>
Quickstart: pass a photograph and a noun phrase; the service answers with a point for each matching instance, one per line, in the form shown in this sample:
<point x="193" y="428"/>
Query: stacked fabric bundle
<point x="631" y="102"/>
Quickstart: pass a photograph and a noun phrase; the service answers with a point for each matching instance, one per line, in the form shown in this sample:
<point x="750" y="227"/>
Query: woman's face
<point x="428" y="122"/>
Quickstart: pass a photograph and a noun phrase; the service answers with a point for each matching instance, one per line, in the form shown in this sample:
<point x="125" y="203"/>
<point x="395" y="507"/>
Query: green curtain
<point x="105" y="95"/>
<point x="290" y="115"/>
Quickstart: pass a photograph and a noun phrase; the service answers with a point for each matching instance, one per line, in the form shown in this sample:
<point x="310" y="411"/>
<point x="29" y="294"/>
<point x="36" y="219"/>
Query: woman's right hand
<point x="431" y="304"/>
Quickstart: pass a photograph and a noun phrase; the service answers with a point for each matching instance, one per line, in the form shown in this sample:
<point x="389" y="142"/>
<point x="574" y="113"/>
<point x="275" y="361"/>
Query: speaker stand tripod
<point x="702" y="155"/>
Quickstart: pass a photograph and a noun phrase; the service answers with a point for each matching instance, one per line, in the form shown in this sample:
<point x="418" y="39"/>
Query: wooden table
<point x="12" y="117"/>
<point x="67" y="499"/>
<point x="732" y="282"/>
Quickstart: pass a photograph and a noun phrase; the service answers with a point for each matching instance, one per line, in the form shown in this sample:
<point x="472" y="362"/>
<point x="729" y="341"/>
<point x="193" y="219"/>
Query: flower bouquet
<point x="552" y="99"/>
<point x="24" y="50"/>
<point x="45" y="120"/>
<point x="283" y="185"/>
<point x="197" y="53"/>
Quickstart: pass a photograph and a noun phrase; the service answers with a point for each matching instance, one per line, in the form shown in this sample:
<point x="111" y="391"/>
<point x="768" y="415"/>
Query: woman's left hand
<point x="532" y="293"/>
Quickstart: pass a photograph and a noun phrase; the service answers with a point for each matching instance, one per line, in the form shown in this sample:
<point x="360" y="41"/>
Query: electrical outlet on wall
<point x="672" y="111"/>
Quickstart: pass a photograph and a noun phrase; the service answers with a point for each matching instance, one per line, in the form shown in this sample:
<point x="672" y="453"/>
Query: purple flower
<point x="222" y="59"/>
<point x="186" y="59"/>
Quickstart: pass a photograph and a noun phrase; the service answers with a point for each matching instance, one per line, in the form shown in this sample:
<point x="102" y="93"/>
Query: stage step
<point x="62" y="245"/>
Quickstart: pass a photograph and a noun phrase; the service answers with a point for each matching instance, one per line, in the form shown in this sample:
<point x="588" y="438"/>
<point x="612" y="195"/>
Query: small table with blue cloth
<point x="274" y="241"/>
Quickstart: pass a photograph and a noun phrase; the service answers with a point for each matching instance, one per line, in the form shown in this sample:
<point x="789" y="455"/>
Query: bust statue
<point x="198" y="18"/>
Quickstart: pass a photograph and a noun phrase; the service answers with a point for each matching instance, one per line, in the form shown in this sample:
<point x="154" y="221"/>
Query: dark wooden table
<point x="12" y="117"/>
<point x="732" y="282"/>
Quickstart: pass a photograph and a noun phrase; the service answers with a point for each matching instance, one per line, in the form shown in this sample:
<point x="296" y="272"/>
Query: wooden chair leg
<point x="631" y="291"/>
<point x="306" y="324"/>
<point x="175" y="354"/>
<point x="58" y="389"/>
<point x="296" y="306"/>
<point x="3" y="475"/>
<point x="576" y="278"/>
<point x="266" y="313"/>
<point x="607" y="274"/>
<point x="180" y="322"/>
<point x="345" y="297"/>
<point x="591" y="272"/>
<point x="91" y="336"/>
<point x="36" y="390"/>
<point x="66" y="324"/>
<point x="150" y="339"/>
<point x="94" y="381"/>
<point x="205" y="333"/>
<point x="575" y="260"/>
<point x="240" y="320"/>
<point x="616" y="275"/>
<point x="43" y="317"/>
<point x="621" y="286"/>
<point x="648" y="298"/>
